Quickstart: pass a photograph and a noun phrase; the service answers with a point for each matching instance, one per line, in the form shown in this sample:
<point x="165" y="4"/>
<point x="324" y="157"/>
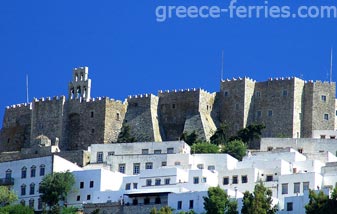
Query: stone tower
<point x="81" y="85"/>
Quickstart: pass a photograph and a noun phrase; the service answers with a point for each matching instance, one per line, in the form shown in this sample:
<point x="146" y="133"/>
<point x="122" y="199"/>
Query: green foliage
<point x="187" y="212"/>
<point x="189" y="138"/>
<point x="319" y="203"/>
<point x="55" y="187"/>
<point x="16" y="209"/>
<point x="69" y="210"/>
<point x="251" y="132"/>
<point x="221" y="135"/>
<point x="217" y="202"/>
<point x="96" y="211"/>
<point x="258" y="202"/>
<point x="235" y="148"/>
<point x="125" y="135"/>
<point x="7" y="196"/>
<point x="163" y="210"/>
<point x="204" y="147"/>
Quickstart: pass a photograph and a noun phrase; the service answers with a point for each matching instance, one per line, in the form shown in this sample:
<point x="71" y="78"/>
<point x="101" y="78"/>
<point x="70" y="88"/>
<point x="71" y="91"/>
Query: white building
<point x="24" y="176"/>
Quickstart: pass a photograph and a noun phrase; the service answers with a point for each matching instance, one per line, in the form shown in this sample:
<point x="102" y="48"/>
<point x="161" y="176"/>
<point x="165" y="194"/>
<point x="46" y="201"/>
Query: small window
<point x="31" y="203"/>
<point x="81" y="185"/>
<point x="270" y="113"/>
<point x="121" y="168"/>
<point x="39" y="204"/>
<point x="196" y="180"/>
<point x="225" y="181"/>
<point x="145" y="151"/>
<point x="32" y="189"/>
<point x="173" y="106"/>
<point x="164" y="163"/>
<point x="78" y="198"/>
<point x="177" y="163"/>
<point x="117" y="116"/>
<point x="179" y="205"/>
<point x="244" y="179"/>
<point x="92" y="114"/>
<point x="42" y="170"/>
<point x="322" y="136"/>
<point x="204" y="180"/>
<point x="23" y="189"/>
<point x="326" y="116"/>
<point x="148" y="165"/>
<point x="200" y="166"/>
<point x="269" y="178"/>
<point x="191" y="204"/>
<point x="158" y="151"/>
<point x="226" y="93"/>
<point x="258" y="114"/>
<point x="237" y="106"/>
<point x="148" y="182"/>
<point x="146" y="201"/>
<point x="323" y="98"/>
<point x="170" y="150"/>
<point x="88" y="197"/>
<point x="284" y="93"/>
<point x="111" y="153"/>
<point x="91" y="185"/>
<point x="128" y="186"/>
<point x="290" y="206"/>
<point x="99" y="157"/>
<point x="258" y="94"/>
<point x="23" y="202"/>
<point x="92" y="131"/>
<point x="235" y="179"/>
<point x="211" y="167"/>
<point x="333" y="137"/>
<point x="167" y="181"/>
<point x="297" y="187"/>
<point x="136" y="168"/>
<point x="23" y="172"/>
<point x="157" y="182"/>
<point x="305" y="186"/>
<point x="135" y="185"/>
<point x="157" y="201"/>
<point x="33" y="171"/>
<point x="270" y="149"/>
<point x="8" y="174"/>
<point x="284" y="189"/>
<point x="300" y="150"/>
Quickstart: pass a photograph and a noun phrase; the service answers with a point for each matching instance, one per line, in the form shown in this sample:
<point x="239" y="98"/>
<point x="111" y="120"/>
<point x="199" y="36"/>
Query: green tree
<point x="250" y="133"/>
<point x="204" y="147"/>
<point x="221" y="135"/>
<point x="319" y="203"/>
<point x="55" y="187"/>
<point x="235" y="148"/>
<point x="7" y="196"/>
<point x="258" y="202"/>
<point x="189" y="138"/>
<point x="125" y="135"/>
<point x="16" y="209"/>
<point x="163" y="210"/>
<point x="69" y="210"/>
<point x="218" y="202"/>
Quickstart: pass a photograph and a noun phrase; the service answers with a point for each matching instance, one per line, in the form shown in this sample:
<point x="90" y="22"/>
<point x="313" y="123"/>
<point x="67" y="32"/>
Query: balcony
<point x="6" y="181"/>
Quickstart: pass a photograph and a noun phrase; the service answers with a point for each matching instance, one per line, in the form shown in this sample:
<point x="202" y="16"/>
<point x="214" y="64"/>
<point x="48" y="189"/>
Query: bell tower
<point x="80" y="86"/>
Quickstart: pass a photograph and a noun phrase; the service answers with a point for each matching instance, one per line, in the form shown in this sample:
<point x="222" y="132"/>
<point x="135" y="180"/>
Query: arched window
<point x="39" y="204"/>
<point x="76" y="77"/>
<point x="24" y="172"/>
<point x="42" y="169"/>
<point x="31" y="203"/>
<point x="8" y="174"/>
<point x="78" y="92"/>
<point x="117" y="116"/>
<point x="32" y="189"/>
<point x="82" y="76"/>
<point x="72" y="93"/>
<point x="23" y="189"/>
<point x="23" y="202"/>
<point x="32" y="171"/>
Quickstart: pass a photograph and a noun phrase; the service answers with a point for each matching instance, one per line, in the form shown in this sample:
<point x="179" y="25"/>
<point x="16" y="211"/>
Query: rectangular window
<point x="32" y="189"/>
<point x="237" y="106"/>
<point x="99" y="157"/>
<point x="270" y="113"/>
<point x="226" y="93"/>
<point x="211" y="167"/>
<point x="23" y="190"/>
<point x="111" y="153"/>
<point x="42" y="170"/>
<point x="88" y="197"/>
<point x="290" y="206"/>
<point x="157" y="151"/>
<point x="121" y="168"/>
<point x="24" y="172"/>
<point x="196" y="180"/>
<point x="170" y="150"/>
<point x="269" y="178"/>
<point x="323" y="98"/>
<point x="204" y="180"/>
<point x="148" y="182"/>
<point x="284" y="188"/>
<point x="145" y="151"/>
<point x="78" y="198"/>
<point x="322" y="136"/>
<point x="135" y="185"/>
<point x="191" y="204"/>
<point x="235" y="179"/>
<point x="326" y="116"/>
<point x="128" y="186"/>
<point x="167" y="181"/>
<point x="297" y="187"/>
<point x="284" y="93"/>
<point x="305" y="186"/>
<point x="225" y="181"/>
<point x="91" y="185"/>
<point x="32" y="171"/>
<point x="200" y="166"/>
<point x="81" y="185"/>
<point x="244" y="179"/>
<point x="136" y="168"/>
<point x="258" y="114"/>
<point x="258" y="94"/>
<point x="163" y="163"/>
<point x="148" y="165"/>
<point x="179" y="205"/>
<point x="157" y="182"/>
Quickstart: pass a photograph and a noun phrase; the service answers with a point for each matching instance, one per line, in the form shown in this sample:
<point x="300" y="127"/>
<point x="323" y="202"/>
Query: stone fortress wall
<point x="289" y="107"/>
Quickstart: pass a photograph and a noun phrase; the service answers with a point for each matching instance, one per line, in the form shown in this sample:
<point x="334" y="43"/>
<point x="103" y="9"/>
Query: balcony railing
<point x="6" y="181"/>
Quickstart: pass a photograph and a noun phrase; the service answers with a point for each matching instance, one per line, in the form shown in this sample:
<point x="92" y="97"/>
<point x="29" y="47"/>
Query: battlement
<point x="238" y="79"/>
<point x="184" y="91"/>
<point x="21" y="105"/>
<point x="49" y="99"/>
<point x="140" y="96"/>
<point x="281" y="78"/>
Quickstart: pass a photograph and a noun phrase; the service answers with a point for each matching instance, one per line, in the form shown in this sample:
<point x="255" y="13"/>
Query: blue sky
<point x="128" y="52"/>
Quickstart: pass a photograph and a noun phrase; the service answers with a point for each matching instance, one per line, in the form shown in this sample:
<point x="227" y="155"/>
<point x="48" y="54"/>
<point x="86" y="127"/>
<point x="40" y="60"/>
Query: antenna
<point x="222" y="66"/>
<point x="331" y="63"/>
<point x="27" y="97"/>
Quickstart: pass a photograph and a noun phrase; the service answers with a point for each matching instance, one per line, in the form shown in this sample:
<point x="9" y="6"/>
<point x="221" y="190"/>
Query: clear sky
<point x="129" y="52"/>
